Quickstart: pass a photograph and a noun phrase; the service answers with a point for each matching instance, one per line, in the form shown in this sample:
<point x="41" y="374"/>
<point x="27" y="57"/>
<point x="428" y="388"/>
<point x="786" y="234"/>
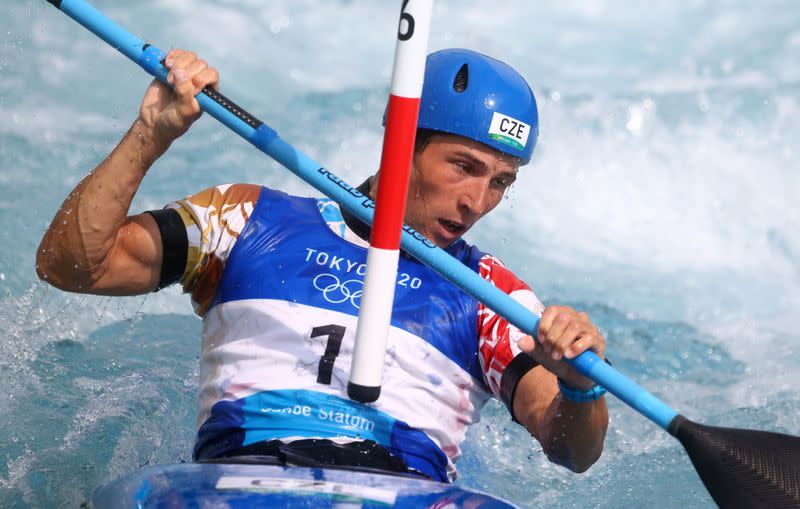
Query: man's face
<point x="454" y="182"/>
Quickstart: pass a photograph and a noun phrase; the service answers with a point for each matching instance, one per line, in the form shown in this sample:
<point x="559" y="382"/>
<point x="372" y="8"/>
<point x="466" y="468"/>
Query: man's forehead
<point x="472" y="149"/>
<point x="510" y="164"/>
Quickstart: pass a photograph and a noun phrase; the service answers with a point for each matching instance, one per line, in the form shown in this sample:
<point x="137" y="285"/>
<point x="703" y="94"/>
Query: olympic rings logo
<point x="336" y="291"/>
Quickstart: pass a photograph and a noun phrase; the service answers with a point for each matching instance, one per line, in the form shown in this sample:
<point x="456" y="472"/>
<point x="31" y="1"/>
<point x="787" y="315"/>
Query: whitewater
<point x="662" y="199"/>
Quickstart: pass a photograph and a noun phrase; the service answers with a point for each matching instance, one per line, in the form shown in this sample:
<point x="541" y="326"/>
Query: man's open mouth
<point x="452" y="226"/>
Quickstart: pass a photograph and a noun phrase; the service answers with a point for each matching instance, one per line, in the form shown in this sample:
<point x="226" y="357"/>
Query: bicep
<point x="133" y="264"/>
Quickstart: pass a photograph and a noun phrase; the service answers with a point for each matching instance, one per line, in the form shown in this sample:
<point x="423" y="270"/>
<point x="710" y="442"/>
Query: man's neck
<point x="355" y="224"/>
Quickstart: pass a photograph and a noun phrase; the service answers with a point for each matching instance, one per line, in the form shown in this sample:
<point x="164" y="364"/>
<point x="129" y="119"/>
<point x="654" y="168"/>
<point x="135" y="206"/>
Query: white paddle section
<point x="375" y="313"/>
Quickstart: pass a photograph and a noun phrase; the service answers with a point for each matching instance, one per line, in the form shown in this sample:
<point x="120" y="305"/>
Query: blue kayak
<point x="199" y="485"/>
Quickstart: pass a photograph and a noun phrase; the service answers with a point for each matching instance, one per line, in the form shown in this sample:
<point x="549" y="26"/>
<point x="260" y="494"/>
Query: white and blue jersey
<point x="278" y="339"/>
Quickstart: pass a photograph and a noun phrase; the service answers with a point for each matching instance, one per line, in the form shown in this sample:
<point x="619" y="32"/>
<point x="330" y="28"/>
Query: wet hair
<point x="424" y="136"/>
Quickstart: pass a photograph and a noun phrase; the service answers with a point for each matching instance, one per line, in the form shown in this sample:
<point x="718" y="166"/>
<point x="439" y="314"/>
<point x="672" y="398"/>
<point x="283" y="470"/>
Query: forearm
<point x="572" y="434"/>
<point x="85" y="228"/>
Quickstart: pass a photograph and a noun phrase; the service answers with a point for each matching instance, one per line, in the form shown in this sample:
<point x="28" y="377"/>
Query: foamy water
<point x="663" y="199"/>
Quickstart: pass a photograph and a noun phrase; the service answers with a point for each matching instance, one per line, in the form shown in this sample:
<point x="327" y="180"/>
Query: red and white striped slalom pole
<point x="375" y="313"/>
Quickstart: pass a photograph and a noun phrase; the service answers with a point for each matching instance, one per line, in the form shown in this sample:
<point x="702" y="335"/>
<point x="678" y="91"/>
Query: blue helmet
<point x="475" y="96"/>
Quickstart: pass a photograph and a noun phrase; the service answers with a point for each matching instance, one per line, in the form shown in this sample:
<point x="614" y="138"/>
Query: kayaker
<point x="277" y="278"/>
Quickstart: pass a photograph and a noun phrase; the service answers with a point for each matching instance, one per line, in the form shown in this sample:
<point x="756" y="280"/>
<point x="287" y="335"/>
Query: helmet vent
<point x="462" y="78"/>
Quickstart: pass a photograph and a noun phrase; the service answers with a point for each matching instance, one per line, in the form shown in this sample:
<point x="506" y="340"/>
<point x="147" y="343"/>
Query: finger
<point x="560" y="324"/>
<point x="527" y="344"/>
<point x="192" y="70"/>
<point x="580" y="345"/>
<point x="571" y="333"/>
<point x="546" y="321"/>
<point x="169" y="60"/>
<point x="206" y="77"/>
<point x="188" y="106"/>
<point x="189" y="82"/>
<point x="195" y="66"/>
<point x="183" y="58"/>
<point x="184" y="89"/>
<point x="179" y="60"/>
<point x="214" y="83"/>
<point x="182" y="84"/>
<point x="591" y="340"/>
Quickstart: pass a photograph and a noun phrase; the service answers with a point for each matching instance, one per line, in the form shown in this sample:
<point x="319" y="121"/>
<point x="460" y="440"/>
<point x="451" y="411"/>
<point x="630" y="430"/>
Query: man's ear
<point x="373" y="187"/>
<point x="412" y="175"/>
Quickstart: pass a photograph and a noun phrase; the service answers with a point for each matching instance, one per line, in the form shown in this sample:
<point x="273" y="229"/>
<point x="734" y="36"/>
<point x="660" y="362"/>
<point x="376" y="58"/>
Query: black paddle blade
<point x="743" y="468"/>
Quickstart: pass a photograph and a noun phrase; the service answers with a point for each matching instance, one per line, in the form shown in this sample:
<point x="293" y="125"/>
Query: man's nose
<point x="473" y="197"/>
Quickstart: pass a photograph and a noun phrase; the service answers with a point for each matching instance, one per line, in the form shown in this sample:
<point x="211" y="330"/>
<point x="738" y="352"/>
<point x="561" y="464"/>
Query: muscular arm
<point x="92" y="245"/>
<point x="571" y="434"/>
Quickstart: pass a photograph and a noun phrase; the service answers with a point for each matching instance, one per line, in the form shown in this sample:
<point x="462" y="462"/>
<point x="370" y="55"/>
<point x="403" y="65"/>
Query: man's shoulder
<point x="240" y="191"/>
<point x="485" y="260"/>
<point x="493" y="269"/>
<point x="490" y="264"/>
<point x="224" y="194"/>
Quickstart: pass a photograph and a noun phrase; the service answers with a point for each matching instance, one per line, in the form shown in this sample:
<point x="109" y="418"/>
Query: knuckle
<point x="562" y="317"/>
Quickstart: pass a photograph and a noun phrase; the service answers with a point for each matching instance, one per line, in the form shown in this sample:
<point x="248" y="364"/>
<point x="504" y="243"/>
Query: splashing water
<point x="662" y="199"/>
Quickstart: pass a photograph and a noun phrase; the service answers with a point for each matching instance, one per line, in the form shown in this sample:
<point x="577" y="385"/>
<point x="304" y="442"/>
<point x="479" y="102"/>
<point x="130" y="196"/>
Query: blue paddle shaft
<point x="268" y="141"/>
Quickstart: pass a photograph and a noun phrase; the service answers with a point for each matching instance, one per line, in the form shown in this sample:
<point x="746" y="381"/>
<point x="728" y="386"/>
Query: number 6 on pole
<point x="374" y="317"/>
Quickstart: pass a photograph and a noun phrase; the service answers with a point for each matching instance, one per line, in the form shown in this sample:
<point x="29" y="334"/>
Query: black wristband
<point x="175" y="244"/>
